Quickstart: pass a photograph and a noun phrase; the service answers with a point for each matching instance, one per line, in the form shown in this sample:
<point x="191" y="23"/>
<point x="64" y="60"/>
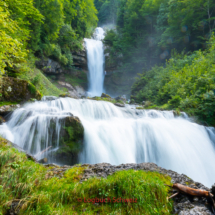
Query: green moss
<point x="140" y="108"/>
<point x="7" y="103"/>
<point x="32" y="88"/>
<point x="27" y="181"/>
<point x="107" y="99"/>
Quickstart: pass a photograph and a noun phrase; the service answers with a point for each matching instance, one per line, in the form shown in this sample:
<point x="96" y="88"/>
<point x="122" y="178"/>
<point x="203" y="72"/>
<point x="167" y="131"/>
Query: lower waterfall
<point x="119" y="135"/>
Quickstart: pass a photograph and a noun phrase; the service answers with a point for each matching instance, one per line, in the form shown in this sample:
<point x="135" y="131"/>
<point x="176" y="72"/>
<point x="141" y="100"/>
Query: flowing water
<point x="119" y="135"/>
<point x="95" y="59"/>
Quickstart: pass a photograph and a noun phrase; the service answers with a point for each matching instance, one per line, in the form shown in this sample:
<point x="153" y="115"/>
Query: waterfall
<point x="95" y="61"/>
<point x="119" y="135"/>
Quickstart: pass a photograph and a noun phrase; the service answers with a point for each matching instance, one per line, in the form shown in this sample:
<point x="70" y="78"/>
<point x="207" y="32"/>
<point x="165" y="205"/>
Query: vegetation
<point x="107" y="99"/>
<point x="107" y="11"/>
<point x="186" y="83"/>
<point x="50" y="28"/>
<point x="147" y="32"/>
<point x="28" y="72"/>
<point x="7" y="103"/>
<point x="39" y="190"/>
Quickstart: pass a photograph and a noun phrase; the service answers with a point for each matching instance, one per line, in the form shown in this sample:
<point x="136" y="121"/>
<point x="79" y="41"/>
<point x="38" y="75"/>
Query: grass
<point x="41" y="82"/>
<point x="7" y="103"/>
<point x="80" y="79"/>
<point x="39" y="191"/>
<point x="29" y="72"/>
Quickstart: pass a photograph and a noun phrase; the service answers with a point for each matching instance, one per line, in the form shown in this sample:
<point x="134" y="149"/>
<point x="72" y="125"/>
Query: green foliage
<point x="40" y="191"/>
<point x="107" y="11"/>
<point x="48" y="28"/>
<point x="29" y="73"/>
<point x="148" y="31"/>
<point x="186" y="82"/>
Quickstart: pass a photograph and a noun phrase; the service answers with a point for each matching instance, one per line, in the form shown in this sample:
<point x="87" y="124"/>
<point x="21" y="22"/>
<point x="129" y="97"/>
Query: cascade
<point x="95" y="61"/>
<point x="119" y="135"/>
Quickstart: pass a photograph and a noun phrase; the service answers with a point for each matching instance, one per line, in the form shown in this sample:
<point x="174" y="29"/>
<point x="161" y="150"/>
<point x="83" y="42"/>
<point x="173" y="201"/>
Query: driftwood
<point x="193" y="192"/>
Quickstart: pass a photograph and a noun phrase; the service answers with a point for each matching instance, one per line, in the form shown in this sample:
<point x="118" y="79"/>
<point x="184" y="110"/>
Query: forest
<point x="43" y="28"/>
<point x="169" y="44"/>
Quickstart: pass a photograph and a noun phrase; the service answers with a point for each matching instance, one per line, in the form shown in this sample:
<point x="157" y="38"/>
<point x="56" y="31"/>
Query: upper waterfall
<point x="95" y="61"/>
<point x="119" y="135"/>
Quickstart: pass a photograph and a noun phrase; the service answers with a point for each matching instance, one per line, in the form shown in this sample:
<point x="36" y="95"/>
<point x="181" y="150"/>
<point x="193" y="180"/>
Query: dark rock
<point x="119" y="105"/>
<point x="2" y="120"/>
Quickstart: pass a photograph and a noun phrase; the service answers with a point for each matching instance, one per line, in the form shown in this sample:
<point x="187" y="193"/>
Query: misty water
<point x="95" y="61"/>
<point x="119" y="135"/>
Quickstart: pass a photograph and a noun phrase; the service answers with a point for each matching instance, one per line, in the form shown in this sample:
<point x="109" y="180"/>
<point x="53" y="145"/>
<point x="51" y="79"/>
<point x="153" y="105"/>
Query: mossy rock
<point x="17" y="90"/>
<point x="105" y="95"/>
<point x="71" y="140"/>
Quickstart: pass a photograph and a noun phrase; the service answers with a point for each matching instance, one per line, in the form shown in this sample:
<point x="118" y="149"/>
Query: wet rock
<point x="71" y="141"/>
<point x="119" y="105"/>
<point x="49" y="98"/>
<point x="6" y="109"/>
<point x="2" y="120"/>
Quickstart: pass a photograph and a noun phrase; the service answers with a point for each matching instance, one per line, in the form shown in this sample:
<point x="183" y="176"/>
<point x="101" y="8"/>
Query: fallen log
<point x="193" y="192"/>
<point x="190" y="191"/>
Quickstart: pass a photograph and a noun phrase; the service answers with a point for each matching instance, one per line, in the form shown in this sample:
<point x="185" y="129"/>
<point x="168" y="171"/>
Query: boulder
<point x="17" y="90"/>
<point x="121" y="98"/>
<point x="74" y="91"/>
<point x="71" y="141"/>
<point x="119" y="104"/>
